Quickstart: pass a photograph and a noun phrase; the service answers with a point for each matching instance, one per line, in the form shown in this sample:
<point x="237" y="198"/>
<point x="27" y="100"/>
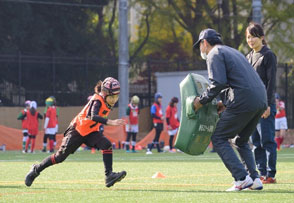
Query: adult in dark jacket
<point x="245" y="103"/>
<point x="264" y="62"/>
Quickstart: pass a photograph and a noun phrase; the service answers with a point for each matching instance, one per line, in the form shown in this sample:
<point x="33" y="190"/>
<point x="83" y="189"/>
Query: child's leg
<point x="134" y="141"/>
<point x="127" y="143"/>
<point x="24" y="139"/>
<point x="33" y="139"/>
<point x="171" y="139"/>
<point x="277" y="139"/>
<point x="45" y="142"/>
<point x="51" y="143"/>
<point x="27" y="143"/>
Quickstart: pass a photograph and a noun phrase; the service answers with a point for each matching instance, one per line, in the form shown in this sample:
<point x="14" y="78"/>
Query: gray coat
<point x="228" y="68"/>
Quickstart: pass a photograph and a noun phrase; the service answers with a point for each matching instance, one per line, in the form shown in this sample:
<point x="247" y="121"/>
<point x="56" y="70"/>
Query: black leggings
<point x="73" y="140"/>
<point x="158" y="128"/>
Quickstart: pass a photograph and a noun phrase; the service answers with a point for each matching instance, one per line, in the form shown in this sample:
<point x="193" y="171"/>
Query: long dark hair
<point x="173" y="101"/>
<point x="98" y="86"/>
<point x="256" y="30"/>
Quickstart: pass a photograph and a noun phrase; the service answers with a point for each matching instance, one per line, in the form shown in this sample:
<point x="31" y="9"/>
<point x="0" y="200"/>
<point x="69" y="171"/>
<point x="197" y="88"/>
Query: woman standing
<point x="264" y="62"/>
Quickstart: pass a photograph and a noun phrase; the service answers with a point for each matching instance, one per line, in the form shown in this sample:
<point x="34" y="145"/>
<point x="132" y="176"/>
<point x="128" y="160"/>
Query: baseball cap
<point x="207" y="34"/>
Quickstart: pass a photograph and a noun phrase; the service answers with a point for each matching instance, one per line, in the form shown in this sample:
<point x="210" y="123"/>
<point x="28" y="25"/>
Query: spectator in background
<point x="32" y="116"/>
<point x="157" y="116"/>
<point x="281" y="125"/>
<point x="132" y="127"/>
<point x="24" y="124"/>
<point x="50" y="125"/>
<point x="264" y="62"/>
<point x="50" y="101"/>
<point x="172" y="121"/>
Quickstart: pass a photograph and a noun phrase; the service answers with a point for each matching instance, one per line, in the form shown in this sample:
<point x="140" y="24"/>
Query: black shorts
<point x="73" y="140"/>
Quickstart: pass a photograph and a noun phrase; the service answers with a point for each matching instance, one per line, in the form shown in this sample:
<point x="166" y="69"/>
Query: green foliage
<point x="46" y="29"/>
<point x="180" y="22"/>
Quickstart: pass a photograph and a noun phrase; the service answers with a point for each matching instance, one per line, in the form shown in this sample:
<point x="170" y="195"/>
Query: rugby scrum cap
<point x="207" y="34"/>
<point x="111" y="86"/>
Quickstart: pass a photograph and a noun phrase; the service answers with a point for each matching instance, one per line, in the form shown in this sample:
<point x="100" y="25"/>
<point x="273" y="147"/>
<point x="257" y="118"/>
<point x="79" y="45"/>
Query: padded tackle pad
<point x="195" y="128"/>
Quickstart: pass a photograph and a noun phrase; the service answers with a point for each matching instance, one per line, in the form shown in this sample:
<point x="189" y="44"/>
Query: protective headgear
<point x="157" y="95"/>
<point x="33" y="104"/>
<point x="111" y="86"/>
<point x="135" y="99"/>
<point x="27" y="103"/>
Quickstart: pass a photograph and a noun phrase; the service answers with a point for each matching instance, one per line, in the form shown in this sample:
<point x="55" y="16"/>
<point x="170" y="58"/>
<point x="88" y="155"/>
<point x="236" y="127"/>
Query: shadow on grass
<point x="275" y="191"/>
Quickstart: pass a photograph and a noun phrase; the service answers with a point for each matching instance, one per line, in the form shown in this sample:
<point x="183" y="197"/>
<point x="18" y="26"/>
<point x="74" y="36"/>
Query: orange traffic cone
<point x="158" y="175"/>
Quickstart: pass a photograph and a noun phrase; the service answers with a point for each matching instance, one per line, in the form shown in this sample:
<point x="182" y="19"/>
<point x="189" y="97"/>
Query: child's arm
<point x="94" y="115"/>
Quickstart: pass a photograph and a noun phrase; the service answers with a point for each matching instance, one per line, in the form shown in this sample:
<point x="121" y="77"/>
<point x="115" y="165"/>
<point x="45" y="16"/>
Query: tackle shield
<point x="195" y="128"/>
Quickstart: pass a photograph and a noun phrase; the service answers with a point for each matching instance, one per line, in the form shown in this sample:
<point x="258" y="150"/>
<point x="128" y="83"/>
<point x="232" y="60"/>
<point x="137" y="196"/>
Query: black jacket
<point x="228" y="68"/>
<point x="265" y="64"/>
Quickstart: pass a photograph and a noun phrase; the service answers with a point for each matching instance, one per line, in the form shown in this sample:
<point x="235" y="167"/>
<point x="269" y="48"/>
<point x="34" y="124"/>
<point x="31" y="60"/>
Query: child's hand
<point x="116" y="122"/>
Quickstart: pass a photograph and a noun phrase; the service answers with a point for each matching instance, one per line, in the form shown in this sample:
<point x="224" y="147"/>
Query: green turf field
<point x="188" y="179"/>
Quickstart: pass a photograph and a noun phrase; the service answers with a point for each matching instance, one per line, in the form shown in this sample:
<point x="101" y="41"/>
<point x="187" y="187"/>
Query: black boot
<point x="113" y="177"/>
<point x="30" y="177"/>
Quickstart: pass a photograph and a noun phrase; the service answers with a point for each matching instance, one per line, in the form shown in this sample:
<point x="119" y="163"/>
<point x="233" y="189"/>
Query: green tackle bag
<point x="196" y="128"/>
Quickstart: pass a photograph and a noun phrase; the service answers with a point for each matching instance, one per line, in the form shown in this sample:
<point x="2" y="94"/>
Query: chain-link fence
<point x="72" y="79"/>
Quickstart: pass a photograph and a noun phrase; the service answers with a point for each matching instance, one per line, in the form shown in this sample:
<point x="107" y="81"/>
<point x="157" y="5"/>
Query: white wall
<point x="168" y="84"/>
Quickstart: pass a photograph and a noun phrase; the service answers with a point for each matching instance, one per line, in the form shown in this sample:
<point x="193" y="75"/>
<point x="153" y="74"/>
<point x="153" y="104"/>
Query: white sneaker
<point x="241" y="184"/>
<point x="257" y="184"/>
<point x="148" y="152"/>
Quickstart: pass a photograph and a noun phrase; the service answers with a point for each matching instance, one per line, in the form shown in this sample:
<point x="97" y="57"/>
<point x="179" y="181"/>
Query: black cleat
<point x="114" y="177"/>
<point x="30" y="177"/>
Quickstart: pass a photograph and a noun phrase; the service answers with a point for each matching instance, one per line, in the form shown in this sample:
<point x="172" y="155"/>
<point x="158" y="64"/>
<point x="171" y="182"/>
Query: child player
<point x="132" y="127"/>
<point x="33" y="117"/>
<point x="157" y="116"/>
<point x="50" y="126"/>
<point x="87" y="128"/>
<point x="24" y="124"/>
<point x="172" y="120"/>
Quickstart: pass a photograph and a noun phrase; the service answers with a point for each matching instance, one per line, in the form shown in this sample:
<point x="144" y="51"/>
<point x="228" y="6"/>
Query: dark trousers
<point x="265" y="147"/>
<point x="237" y="128"/>
<point x="158" y="129"/>
<point x="129" y="136"/>
<point x="72" y="141"/>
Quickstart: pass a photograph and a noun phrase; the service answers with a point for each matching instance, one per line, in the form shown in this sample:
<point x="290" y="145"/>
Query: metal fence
<point x="72" y="79"/>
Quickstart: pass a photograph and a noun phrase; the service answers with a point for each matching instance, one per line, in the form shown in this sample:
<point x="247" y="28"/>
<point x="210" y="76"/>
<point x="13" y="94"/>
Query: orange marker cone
<point x="158" y="175"/>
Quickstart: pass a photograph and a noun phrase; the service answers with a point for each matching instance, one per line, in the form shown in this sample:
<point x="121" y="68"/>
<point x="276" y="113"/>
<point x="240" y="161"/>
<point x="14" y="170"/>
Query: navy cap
<point x="207" y="34"/>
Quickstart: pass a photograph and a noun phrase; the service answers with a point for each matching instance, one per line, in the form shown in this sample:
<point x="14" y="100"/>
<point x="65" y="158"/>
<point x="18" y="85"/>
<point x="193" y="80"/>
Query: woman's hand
<point x="266" y="113"/>
<point x="116" y="122"/>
